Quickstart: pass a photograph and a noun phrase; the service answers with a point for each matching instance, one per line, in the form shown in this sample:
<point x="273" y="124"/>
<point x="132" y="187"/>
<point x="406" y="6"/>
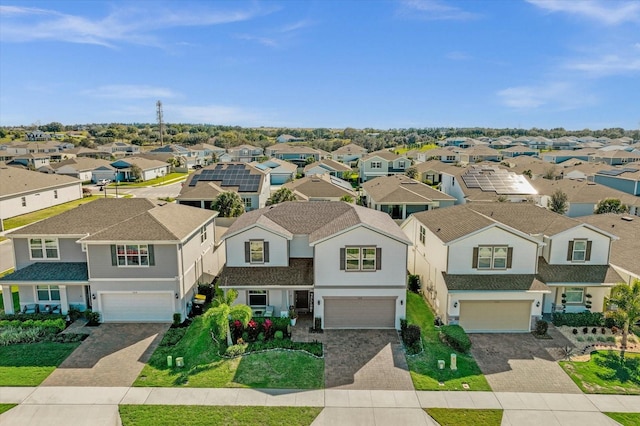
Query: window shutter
<point x="266" y="251"/>
<point x="114" y="255"/>
<point x="152" y="255"/>
<point x="509" y="257"/>
<point x="247" y="252"/>
<point x="378" y="258"/>
<point x="588" y="255"/>
<point x="474" y="261"/>
<point x="342" y="258"/>
<point x="570" y="251"/>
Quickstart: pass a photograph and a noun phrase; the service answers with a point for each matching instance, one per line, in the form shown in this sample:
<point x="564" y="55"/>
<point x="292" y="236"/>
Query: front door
<point x="302" y="301"/>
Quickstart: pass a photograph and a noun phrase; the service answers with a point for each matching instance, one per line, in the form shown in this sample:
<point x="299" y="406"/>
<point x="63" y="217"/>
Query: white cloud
<point x="433" y="10"/>
<point x="124" y="25"/>
<point x="555" y="96"/>
<point x="219" y="114"/>
<point x="277" y="37"/>
<point x="265" y="41"/>
<point x="610" y="12"/>
<point x="607" y="65"/>
<point x="457" y="56"/>
<point x="129" y="91"/>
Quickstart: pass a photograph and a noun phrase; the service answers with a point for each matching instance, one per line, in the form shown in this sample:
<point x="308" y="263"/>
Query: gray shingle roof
<point x="15" y="180"/>
<point x="298" y="273"/>
<point x="451" y="223"/>
<point x="516" y="282"/>
<point x="596" y="274"/>
<point x="400" y="189"/>
<point x="50" y="271"/>
<point x="318" y="186"/>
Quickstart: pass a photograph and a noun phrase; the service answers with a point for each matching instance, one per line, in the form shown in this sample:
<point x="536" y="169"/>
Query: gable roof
<point x="15" y="180"/>
<point x="582" y="191"/>
<point x="494" y="282"/>
<point x="143" y="163"/>
<point x="318" y="219"/>
<point x="384" y="154"/>
<point x="402" y="189"/>
<point x="329" y="165"/>
<point x="226" y="173"/>
<point x="82" y="163"/>
<point x="350" y="148"/>
<point x="320" y="186"/>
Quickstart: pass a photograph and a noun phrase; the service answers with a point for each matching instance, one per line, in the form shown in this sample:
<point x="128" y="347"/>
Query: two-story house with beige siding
<point x="131" y="260"/>
<point x="342" y="263"/>
<point x="497" y="267"/>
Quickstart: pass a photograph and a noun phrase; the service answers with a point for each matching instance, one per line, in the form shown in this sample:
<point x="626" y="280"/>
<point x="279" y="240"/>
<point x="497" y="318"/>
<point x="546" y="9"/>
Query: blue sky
<point x="324" y="63"/>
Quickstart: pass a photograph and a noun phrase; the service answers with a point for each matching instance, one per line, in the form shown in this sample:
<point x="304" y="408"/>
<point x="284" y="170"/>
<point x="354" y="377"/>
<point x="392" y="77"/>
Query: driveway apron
<point x="522" y="363"/>
<point x="365" y="359"/>
<point x="113" y="355"/>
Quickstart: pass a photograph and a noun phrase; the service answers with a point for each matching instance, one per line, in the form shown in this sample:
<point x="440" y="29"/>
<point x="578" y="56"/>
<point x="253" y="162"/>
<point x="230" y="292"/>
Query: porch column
<point x="64" y="302"/>
<point x="404" y="211"/>
<point x="7" y="298"/>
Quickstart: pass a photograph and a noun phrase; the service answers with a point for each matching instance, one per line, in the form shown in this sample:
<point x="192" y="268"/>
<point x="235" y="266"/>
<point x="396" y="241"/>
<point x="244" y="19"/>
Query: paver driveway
<point x="365" y="359"/>
<point x="113" y="355"/>
<point x="522" y="363"/>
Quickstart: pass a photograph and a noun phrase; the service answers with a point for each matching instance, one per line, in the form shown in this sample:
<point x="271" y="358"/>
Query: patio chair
<point x="31" y="308"/>
<point x="268" y="312"/>
<point x="55" y="309"/>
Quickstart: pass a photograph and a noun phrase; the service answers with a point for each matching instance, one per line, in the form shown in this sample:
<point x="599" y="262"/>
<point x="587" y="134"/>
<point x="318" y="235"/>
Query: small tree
<point x="347" y="198"/>
<point x="280" y="196"/>
<point x="412" y="172"/>
<point x="228" y="204"/>
<point x="611" y="205"/>
<point x="528" y="173"/>
<point x="558" y="202"/>
<point x="136" y="173"/>
<point x="223" y="310"/>
<point x="626" y="299"/>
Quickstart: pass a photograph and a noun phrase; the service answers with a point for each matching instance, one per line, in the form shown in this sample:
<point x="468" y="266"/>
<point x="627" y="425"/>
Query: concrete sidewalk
<point x="346" y="407"/>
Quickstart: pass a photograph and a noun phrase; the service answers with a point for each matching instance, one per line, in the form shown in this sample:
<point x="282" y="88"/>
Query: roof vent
<point x="627" y="218"/>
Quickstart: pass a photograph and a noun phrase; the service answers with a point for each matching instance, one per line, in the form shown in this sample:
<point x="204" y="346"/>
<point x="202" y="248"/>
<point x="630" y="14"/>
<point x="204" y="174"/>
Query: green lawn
<point x="170" y="178"/>
<point x="626" y="419"/>
<point x="425" y="147"/>
<point x="167" y="415"/>
<point x="28" y="218"/>
<point x="424" y="367"/>
<point x="30" y="364"/>
<point x="205" y="368"/>
<point x="14" y="293"/>
<point x="6" y="407"/>
<point x="604" y="373"/>
<point x="464" y="417"/>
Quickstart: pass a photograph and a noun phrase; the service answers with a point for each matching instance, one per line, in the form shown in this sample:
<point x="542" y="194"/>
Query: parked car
<point x="103" y="182"/>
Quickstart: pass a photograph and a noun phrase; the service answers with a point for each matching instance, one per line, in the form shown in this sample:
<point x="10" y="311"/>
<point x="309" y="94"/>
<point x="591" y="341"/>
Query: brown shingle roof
<point x="511" y="282"/>
<point x="454" y="222"/>
<point x="582" y="191"/>
<point x="298" y="273"/>
<point x="14" y="181"/>
<point x="318" y="186"/>
<point x="597" y="274"/>
<point x="402" y="189"/>
<point x="385" y="154"/>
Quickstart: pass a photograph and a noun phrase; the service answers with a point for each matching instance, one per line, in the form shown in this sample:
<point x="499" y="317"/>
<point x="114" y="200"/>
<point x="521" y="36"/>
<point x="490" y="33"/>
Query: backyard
<point x="424" y="367"/>
<point x="204" y="367"/>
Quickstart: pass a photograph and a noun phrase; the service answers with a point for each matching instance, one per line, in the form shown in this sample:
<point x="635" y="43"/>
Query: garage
<point x="359" y="312"/>
<point x="495" y="315"/>
<point x="137" y="307"/>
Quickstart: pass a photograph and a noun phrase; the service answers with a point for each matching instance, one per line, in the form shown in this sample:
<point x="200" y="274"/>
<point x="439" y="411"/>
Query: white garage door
<point x="137" y="307"/>
<point x="359" y="312"/>
<point x="495" y="315"/>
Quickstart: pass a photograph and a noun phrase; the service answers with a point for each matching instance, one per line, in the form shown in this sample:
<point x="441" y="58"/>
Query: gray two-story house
<point x="382" y="163"/>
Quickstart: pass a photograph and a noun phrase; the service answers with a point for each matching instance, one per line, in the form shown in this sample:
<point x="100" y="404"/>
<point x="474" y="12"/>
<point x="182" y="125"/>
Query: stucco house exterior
<point x="382" y="163"/>
<point x="334" y="168"/>
<point x="245" y="153"/>
<point x="497" y="267"/>
<point x="321" y="188"/>
<point x="349" y="153"/>
<point x="80" y="167"/>
<point x="151" y="169"/>
<point x="128" y="259"/>
<point x="280" y="171"/>
<point x="340" y="262"/>
<point x="295" y="153"/>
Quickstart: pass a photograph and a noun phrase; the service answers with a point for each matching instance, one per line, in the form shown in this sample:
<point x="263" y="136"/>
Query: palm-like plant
<point x="224" y="310"/>
<point x="627" y="300"/>
<point x="228" y="204"/>
<point x="280" y="196"/>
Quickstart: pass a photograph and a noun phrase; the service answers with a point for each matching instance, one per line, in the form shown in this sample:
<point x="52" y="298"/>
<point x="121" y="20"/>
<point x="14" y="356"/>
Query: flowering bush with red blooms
<point x="236" y="329"/>
<point x="252" y="329"/>
<point x="268" y="329"/>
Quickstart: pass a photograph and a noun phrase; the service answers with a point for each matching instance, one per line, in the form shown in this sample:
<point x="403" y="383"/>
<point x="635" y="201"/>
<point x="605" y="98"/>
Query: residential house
<point x="615" y="158"/>
<point x="498" y="267"/>
<point x="625" y="179"/>
<point x="83" y="152"/>
<point x="295" y="153"/>
<point x="382" y="163"/>
<point x="119" y="149"/>
<point x="38" y="135"/>
<point x="349" y="154"/>
<point x="204" y="185"/>
<point x="448" y="154"/>
<point x="322" y="187"/>
<point x="334" y="168"/>
<point x="280" y="171"/>
<point x="186" y="157"/>
<point x="518" y="150"/>
<point x="401" y="196"/>
<point x="288" y="138"/>
<point x="557" y="157"/>
<point x="130" y="260"/>
<point x="206" y="153"/>
<point x="31" y="161"/>
<point x="150" y="169"/>
<point x="25" y="191"/>
<point x="245" y="153"/>
<point x="80" y="167"/>
<point x="479" y="153"/>
<point x="339" y="262"/>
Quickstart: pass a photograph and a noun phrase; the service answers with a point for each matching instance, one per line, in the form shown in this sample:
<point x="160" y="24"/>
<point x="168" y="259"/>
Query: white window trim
<point x="361" y="259"/>
<point x="256" y="262"/>
<point x="574" y="251"/>
<point x="568" y="290"/>
<point x="44" y="249"/>
<point x="376" y="164"/>
<point x="203" y="235"/>
<point x="41" y="287"/>
<point x="422" y="234"/>
<point x="260" y="293"/>
<point x="126" y="265"/>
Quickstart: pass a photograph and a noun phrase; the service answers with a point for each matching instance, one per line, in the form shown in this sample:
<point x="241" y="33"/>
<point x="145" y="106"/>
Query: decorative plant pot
<point x="293" y="321"/>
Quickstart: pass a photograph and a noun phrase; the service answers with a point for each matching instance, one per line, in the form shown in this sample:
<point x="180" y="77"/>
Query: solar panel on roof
<point x="497" y="180"/>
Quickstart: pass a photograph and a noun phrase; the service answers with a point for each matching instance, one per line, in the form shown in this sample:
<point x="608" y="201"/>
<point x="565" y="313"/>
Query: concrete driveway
<point x="521" y="363"/>
<point x="365" y="359"/>
<point x="113" y="355"/>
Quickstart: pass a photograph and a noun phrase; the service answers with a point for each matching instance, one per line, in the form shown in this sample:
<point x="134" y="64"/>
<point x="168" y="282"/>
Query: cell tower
<point x="160" y="123"/>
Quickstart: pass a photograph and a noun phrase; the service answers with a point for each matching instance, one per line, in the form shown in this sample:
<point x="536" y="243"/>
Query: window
<point x="574" y="294"/>
<point x="55" y="194"/>
<point x="376" y="164"/>
<point x="492" y="257"/>
<point x="422" y="234"/>
<point x="256" y="251"/>
<point x="203" y="234"/>
<point x="43" y="248"/>
<point x="451" y="158"/>
<point x="24" y="201"/>
<point x="360" y="258"/>
<point x="247" y="202"/>
<point x="132" y="254"/>
<point x="48" y="293"/>
<point x="257" y="298"/>
<point x="401" y="164"/>
<point x="579" y="251"/>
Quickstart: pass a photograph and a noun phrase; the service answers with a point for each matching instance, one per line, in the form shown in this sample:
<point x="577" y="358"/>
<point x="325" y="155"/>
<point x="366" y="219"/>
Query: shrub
<point x="74" y="313"/>
<point x="411" y="335"/>
<point x="600" y="338"/>
<point x="93" y="318"/>
<point x="603" y="330"/>
<point x="614" y="329"/>
<point x="67" y="338"/>
<point x="245" y="336"/>
<point x="403" y="324"/>
<point x="580" y="339"/>
<point x="414" y="283"/>
<point x="15" y="335"/>
<point x="585" y="330"/>
<point x="541" y="327"/>
<point x="594" y="330"/>
<point x="278" y="335"/>
<point x="454" y="336"/>
<point x="582" y="319"/>
<point x="261" y="337"/>
<point x="317" y="323"/>
<point x="590" y="339"/>
<point x="173" y="336"/>
<point x="610" y="339"/>
<point x="575" y="331"/>
<point x="177" y="319"/>
<point x="609" y="322"/>
<point x="235" y="350"/>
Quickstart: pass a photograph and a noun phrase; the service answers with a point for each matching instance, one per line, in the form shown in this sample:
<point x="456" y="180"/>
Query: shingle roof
<point x="318" y="186"/>
<point x="451" y="223"/>
<point x="298" y="273"/>
<point x="582" y="191"/>
<point x="14" y="181"/>
<point x="318" y="219"/>
<point x="385" y="154"/>
<point x="330" y="165"/>
<point x="82" y="163"/>
<point x="350" y="149"/>
<point x="50" y="271"/>
<point x="597" y="274"/>
<point x="400" y="189"/>
<point x="512" y="282"/>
